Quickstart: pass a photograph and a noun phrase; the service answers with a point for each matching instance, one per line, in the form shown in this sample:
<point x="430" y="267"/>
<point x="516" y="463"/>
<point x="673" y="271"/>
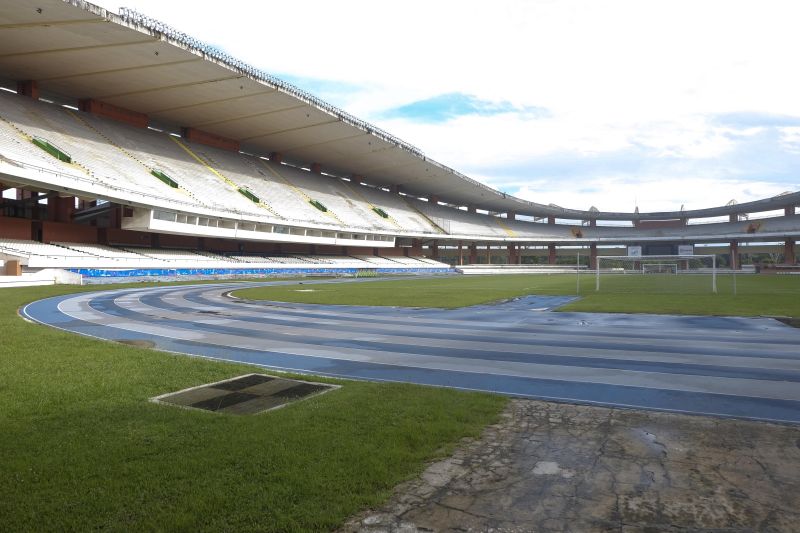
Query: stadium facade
<point x="131" y="146"/>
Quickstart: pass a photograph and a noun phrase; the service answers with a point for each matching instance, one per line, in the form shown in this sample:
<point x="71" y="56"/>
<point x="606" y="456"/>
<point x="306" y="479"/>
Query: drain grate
<point x="244" y="395"/>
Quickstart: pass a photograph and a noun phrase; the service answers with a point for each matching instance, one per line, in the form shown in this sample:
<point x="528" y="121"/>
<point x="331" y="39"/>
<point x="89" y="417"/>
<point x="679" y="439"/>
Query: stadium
<point x="134" y="154"/>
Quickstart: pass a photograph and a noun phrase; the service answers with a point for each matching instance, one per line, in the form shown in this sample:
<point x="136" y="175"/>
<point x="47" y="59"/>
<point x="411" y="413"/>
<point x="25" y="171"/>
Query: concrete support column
<point x="733" y="218"/>
<point x="488" y="254"/>
<point x="789" y="210"/>
<point x="733" y="249"/>
<point x="551" y="219"/>
<point x="115" y="217"/>
<point x="460" y="254"/>
<point x="511" y="215"/>
<point x="60" y="209"/>
<point x="593" y="223"/>
<point x="416" y="247"/>
<point x="551" y="254"/>
<point x="395" y="189"/>
<point x="473" y="254"/>
<point x="434" y="250"/>
<point x="28" y="88"/>
<point x="433" y="199"/>
<point x="316" y="168"/>
<point x="356" y="178"/>
<point x="788" y="252"/>
<point x="276" y="157"/>
<point x="34" y="196"/>
<point x="593" y="256"/>
<point x="513" y="254"/>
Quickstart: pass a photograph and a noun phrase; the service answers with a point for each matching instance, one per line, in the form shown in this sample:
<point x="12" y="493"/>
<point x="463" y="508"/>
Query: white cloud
<point x="649" y="193"/>
<point x="617" y="77"/>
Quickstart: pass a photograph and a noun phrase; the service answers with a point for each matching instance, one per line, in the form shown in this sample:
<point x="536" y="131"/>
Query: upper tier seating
<point x="88" y="149"/>
<point x="114" y="155"/>
<point x="458" y="222"/>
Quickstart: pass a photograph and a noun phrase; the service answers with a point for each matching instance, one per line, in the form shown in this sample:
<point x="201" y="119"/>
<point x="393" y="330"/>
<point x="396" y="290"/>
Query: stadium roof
<point x="76" y="50"/>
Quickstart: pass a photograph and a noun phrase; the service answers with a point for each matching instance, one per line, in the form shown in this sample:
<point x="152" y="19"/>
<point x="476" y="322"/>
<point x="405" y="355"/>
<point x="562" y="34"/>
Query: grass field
<point x="656" y="293"/>
<point x="81" y="448"/>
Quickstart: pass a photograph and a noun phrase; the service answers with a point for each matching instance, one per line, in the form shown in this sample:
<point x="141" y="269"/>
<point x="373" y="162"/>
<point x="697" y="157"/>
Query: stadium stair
<point x="373" y="208"/>
<point x="502" y="224"/>
<point x="299" y="191"/>
<point x="110" y="141"/>
<point x="425" y="217"/>
<point x="29" y="138"/>
<point x="260" y="203"/>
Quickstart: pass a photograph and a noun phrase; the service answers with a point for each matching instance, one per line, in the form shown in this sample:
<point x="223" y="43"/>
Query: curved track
<point x="736" y="367"/>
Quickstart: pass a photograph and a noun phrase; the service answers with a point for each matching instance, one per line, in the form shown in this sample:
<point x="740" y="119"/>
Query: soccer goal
<point x="651" y="273"/>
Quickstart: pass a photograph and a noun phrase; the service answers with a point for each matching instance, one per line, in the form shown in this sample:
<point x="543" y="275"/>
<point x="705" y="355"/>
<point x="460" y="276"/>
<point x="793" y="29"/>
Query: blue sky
<point x="614" y="104"/>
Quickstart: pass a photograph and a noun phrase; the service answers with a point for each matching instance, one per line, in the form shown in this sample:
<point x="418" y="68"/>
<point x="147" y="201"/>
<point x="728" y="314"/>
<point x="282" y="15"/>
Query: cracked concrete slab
<point x="549" y="467"/>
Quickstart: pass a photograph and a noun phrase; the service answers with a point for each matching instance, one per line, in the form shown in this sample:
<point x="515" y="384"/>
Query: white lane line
<point x="652" y="380"/>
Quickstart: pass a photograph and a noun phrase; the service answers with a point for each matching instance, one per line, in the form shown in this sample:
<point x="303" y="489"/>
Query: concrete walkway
<point x="550" y="467"/>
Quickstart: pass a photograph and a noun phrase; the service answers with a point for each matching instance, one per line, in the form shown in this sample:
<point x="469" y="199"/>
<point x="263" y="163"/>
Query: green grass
<point x="82" y="448"/>
<point x="684" y="294"/>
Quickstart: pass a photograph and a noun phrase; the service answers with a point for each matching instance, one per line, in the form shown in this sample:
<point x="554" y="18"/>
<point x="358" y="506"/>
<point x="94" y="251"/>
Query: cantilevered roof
<point x="77" y="50"/>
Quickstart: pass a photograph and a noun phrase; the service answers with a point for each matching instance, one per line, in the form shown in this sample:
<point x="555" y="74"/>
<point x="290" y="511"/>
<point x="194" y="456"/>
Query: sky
<point x="617" y="104"/>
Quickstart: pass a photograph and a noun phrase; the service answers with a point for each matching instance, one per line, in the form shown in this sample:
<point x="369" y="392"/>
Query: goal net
<point x="674" y="274"/>
<point x="659" y="268"/>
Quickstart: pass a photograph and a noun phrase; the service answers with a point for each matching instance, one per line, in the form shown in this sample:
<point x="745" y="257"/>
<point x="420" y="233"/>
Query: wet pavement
<point x="549" y="467"/>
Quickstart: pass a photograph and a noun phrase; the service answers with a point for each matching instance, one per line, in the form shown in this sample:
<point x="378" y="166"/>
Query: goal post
<point x="653" y="267"/>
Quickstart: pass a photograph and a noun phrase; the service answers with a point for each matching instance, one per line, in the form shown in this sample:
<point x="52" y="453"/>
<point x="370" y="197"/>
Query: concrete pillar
<point x="395" y="189"/>
<point x="551" y="219"/>
<point x="276" y="157"/>
<point x="28" y="88"/>
<point x="593" y="256"/>
<point x="34" y="197"/>
<point x="433" y="199"/>
<point x="316" y="168"/>
<point x="551" y="254"/>
<point x="115" y="217"/>
<point x="460" y="254"/>
<point x="511" y="215"/>
<point x="733" y="217"/>
<point x="209" y="139"/>
<point x="513" y="254"/>
<point x="593" y="223"/>
<point x="60" y="209"/>
<point x="788" y="252"/>
<point x="789" y="210"/>
<point x="471" y="209"/>
<point x="733" y="249"/>
<point x="416" y="247"/>
<point x="435" y="250"/>
<point x="488" y="254"/>
<point x="356" y="178"/>
<point x="473" y="253"/>
<point x="120" y="114"/>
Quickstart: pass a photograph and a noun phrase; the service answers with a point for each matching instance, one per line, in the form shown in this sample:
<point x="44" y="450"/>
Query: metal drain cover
<point x="244" y="395"/>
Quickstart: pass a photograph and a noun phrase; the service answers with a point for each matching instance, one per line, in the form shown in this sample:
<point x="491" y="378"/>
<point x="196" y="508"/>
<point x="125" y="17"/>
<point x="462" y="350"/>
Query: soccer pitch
<point x="653" y="293"/>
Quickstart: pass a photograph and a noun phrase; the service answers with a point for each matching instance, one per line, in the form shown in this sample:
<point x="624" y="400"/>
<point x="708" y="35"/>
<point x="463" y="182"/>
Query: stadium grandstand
<point x="130" y="149"/>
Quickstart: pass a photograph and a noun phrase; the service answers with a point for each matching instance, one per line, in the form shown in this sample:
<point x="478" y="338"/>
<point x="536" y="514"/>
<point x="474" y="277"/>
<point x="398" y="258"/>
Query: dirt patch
<point x="138" y="343"/>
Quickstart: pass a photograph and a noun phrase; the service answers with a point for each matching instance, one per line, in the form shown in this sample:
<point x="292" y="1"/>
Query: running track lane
<point x="731" y="367"/>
